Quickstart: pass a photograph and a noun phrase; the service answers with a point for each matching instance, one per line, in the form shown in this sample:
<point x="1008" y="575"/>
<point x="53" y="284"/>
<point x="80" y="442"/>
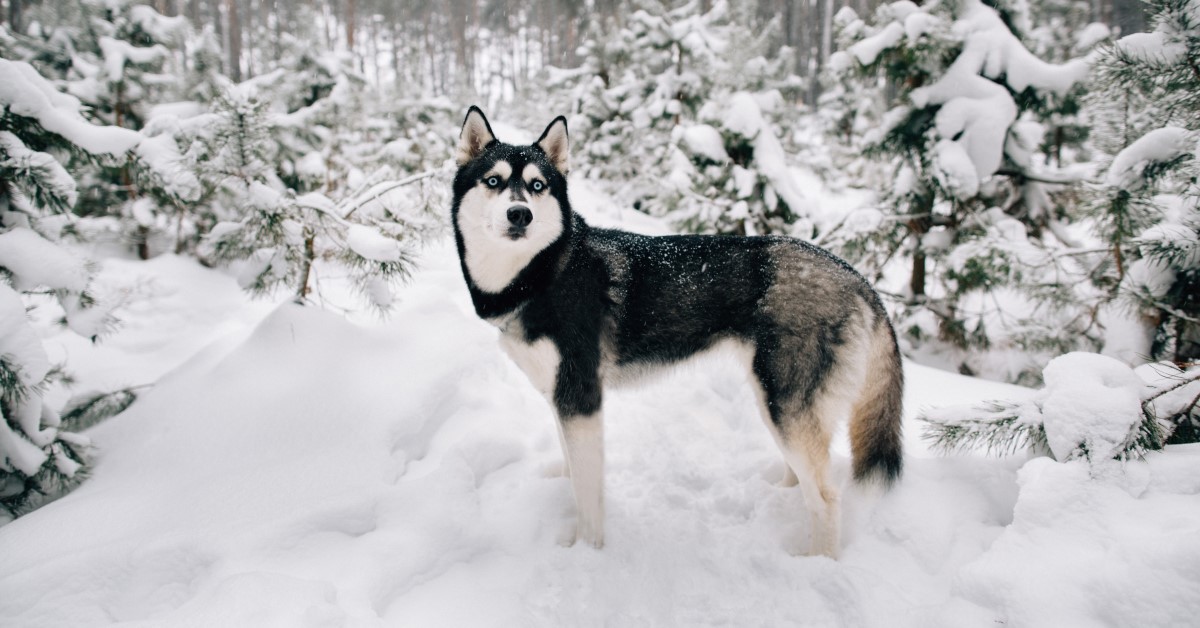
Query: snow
<point x="1149" y="276"/>
<point x="745" y="118"/>
<point x="1090" y="404"/>
<point x="182" y="110"/>
<point x="1091" y="35"/>
<point x="161" y="155"/>
<point x="976" y="111"/>
<point x="868" y="50"/>
<point x="160" y="27"/>
<point x="19" y="342"/>
<point x="37" y="262"/>
<point x="51" y="173"/>
<point x="17" y="452"/>
<point x="705" y="141"/>
<point x="303" y="469"/>
<point x="118" y="53"/>
<point x="370" y="243"/>
<point x="23" y="355"/>
<point x="26" y="93"/>
<point x="955" y="170"/>
<point x="1156" y="146"/>
<point x="1153" y="47"/>
<point x="1071" y="527"/>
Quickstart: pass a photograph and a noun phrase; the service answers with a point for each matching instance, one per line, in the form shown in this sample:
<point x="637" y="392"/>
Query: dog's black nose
<point x="520" y="216"/>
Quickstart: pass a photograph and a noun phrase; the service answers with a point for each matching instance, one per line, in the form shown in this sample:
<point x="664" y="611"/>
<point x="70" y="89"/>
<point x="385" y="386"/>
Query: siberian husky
<point x="581" y="308"/>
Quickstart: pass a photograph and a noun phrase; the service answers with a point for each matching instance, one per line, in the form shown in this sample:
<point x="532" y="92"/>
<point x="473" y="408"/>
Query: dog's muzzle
<point x="519" y="218"/>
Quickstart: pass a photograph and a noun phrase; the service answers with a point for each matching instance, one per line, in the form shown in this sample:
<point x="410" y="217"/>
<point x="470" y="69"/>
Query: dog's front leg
<point x="583" y="444"/>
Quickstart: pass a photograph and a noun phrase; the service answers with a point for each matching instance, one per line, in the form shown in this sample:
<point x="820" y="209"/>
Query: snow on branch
<point x="1093" y="407"/>
<point x="27" y="94"/>
<point x="1156" y="147"/>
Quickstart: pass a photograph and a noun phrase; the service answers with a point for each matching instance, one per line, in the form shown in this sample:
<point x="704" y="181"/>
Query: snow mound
<point x="1091" y="404"/>
<point x="1069" y="526"/>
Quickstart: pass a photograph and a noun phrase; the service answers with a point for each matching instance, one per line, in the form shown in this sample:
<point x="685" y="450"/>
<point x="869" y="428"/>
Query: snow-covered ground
<point x="295" y="467"/>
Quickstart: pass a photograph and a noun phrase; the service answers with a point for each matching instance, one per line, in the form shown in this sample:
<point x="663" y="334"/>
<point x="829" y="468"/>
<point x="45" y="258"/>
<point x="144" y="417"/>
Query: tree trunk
<point x="143" y="242"/>
<point x="309" y="256"/>
<point x="916" y="284"/>
<point x="394" y="41"/>
<point x="214" y="13"/>
<point x="14" y="15"/>
<point x="918" y="227"/>
<point x="235" y="41"/>
<point x="282" y="16"/>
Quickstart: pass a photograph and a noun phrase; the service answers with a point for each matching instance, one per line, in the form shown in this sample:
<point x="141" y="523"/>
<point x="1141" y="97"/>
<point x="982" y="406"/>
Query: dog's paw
<point x="570" y="536"/>
<point x="589" y="535"/>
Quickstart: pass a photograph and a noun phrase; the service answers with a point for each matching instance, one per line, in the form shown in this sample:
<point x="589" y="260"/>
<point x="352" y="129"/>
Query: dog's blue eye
<point x="492" y="182"/>
<point x="537" y="186"/>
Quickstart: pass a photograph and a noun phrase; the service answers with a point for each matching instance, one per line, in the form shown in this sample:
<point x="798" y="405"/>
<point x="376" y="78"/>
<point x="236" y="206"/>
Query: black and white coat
<point x="582" y="308"/>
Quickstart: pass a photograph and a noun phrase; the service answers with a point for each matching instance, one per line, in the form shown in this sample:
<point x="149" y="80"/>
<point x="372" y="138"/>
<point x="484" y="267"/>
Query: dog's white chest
<point x="539" y="359"/>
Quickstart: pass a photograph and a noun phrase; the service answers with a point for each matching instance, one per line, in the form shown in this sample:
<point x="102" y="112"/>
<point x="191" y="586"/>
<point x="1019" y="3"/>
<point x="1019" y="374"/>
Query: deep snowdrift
<point x="306" y="470"/>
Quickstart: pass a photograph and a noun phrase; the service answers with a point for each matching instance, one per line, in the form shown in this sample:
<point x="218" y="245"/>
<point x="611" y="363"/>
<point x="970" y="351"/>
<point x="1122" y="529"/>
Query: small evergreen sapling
<point x="40" y="458"/>
<point x="1148" y="204"/>
<point x="281" y="236"/>
<point x="680" y="111"/>
<point x="993" y="283"/>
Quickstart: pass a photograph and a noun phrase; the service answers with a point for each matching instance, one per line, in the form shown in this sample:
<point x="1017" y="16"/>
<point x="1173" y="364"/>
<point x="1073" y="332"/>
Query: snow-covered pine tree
<point x="278" y="235"/>
<point x="119" y="58"/>
<point x="1058" y="31"/>
<point x="619" y="112"/>
<point x="39" y="457"/>
<point x="1147" y="102"/>
<point x="850" y="105"/>
<point x="966" y="203"/>
<point x="122" y="61"/>
<point x="679" y="111"/>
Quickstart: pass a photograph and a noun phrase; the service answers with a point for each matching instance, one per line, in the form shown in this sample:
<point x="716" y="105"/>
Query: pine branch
<point x="1001" y="427"/>
<point x="88" y="409"/>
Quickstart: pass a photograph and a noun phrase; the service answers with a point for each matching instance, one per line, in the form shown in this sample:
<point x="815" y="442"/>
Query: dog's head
<point x="510" y="202"/>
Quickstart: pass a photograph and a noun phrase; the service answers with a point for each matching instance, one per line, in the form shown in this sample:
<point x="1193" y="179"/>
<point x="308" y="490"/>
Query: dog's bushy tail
<point x="876" y="418"/>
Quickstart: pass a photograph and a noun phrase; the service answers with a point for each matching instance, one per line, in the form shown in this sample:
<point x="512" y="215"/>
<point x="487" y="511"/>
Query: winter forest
<point x="242" y="382"/>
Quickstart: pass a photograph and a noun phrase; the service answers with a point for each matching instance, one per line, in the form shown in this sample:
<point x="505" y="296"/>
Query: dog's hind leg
<point x="583" y="444"/>
<point x="802" y="405"/>
<point x="804" y="439"/>
<point x="806" y="449"/>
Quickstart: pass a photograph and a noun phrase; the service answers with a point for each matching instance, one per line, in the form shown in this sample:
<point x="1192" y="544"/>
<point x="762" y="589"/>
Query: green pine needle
<point x="84" y="411"/>
<point x="997" y="426"/>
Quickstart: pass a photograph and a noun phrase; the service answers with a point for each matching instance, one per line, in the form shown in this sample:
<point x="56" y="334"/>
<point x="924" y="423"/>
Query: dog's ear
<point x="554" y="143"/>
<point x="475" y="136"/>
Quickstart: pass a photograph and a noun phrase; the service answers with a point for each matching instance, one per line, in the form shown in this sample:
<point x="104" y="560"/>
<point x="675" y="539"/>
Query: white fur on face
<point x="492" y="258"/>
